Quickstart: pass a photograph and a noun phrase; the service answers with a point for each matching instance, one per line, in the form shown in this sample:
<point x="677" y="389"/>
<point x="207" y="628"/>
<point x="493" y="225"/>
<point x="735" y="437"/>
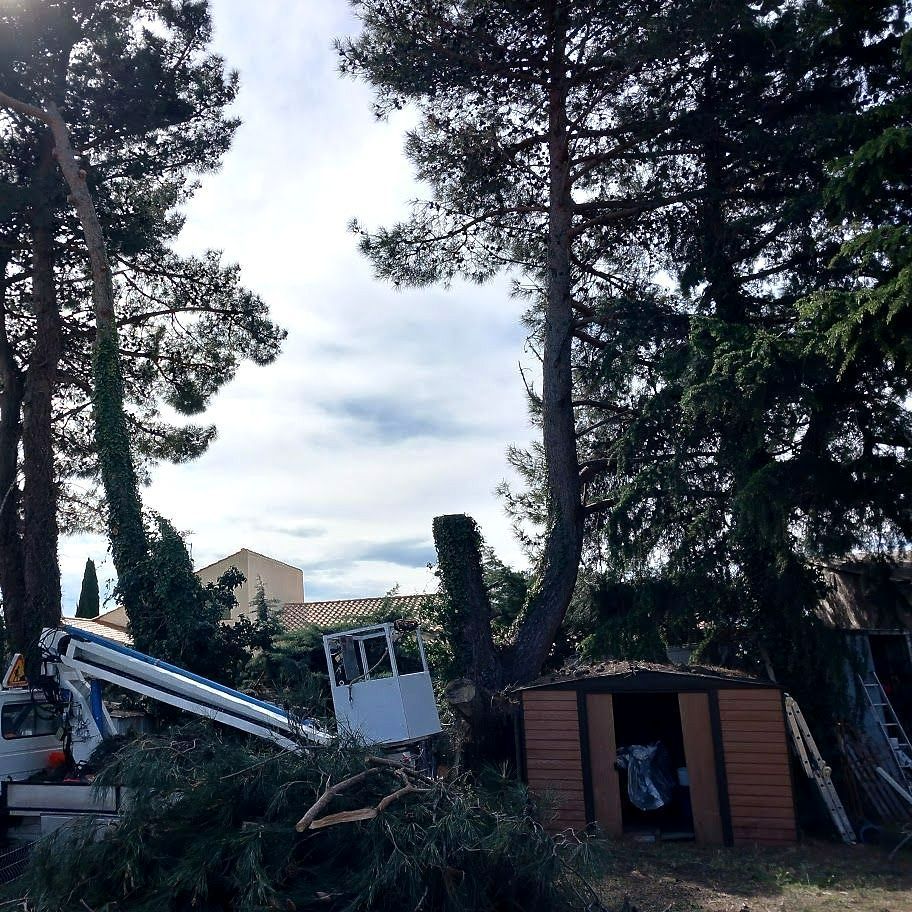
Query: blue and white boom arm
<point x="81" y="657"/>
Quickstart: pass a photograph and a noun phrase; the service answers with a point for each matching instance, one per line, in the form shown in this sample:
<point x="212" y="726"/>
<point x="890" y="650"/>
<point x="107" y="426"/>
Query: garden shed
<point x="724" y="746"/>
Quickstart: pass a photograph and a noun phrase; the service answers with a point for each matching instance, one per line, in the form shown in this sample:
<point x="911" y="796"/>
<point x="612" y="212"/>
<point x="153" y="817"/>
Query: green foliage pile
<point x="211" y="826"/>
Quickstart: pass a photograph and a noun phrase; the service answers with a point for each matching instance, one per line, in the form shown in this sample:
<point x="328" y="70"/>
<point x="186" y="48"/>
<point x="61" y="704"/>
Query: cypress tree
<point x="89" y="604"/>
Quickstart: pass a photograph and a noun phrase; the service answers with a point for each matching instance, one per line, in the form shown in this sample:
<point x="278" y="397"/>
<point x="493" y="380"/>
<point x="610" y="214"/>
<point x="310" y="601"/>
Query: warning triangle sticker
<point x="15" y="674"/>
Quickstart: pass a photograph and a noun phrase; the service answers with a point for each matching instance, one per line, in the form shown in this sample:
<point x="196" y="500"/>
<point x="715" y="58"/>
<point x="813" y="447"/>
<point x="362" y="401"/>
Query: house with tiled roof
<point x="116" y="631"/>
<point x="281" y="582"/>
<point x="284" y="588"/>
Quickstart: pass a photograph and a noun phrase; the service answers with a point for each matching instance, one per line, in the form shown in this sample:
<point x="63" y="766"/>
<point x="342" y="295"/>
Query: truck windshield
<point x="28" y="720"/>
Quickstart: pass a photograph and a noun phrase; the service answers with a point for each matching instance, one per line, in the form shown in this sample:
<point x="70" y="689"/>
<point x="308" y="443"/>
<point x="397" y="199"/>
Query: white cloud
<point x="386" y="408"/>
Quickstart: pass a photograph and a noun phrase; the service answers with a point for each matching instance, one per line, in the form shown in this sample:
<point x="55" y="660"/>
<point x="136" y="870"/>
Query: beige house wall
<point x="281" y="582"/>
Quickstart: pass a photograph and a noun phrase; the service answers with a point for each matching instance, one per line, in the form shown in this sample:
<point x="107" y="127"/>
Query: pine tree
<point x="736" y="442"/>
<point x="517" y="143"/>
<point x="146" y="110"/>
<point x="89" y="604"/>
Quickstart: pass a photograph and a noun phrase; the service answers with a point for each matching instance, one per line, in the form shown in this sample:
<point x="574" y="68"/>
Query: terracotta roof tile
<point x="90" y="625"/>
<point x="340" y="612"/>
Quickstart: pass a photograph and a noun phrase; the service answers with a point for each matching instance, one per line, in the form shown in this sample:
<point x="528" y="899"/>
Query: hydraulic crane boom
<point x="80" y="658"/>
<point x="380" y="681"/>
<point x="381" y="690"/>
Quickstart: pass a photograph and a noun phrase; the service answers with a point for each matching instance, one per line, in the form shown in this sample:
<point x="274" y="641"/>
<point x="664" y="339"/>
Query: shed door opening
<point x="893" y="667"/>
<point x="644" y="719"/>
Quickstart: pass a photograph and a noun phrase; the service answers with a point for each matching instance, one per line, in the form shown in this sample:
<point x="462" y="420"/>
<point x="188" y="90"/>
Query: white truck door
<point x="28" y="735"/>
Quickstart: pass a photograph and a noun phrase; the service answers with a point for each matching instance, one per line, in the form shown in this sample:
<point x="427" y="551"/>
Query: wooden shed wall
<point x="742" y="736"/>
<point x="757" y="767"/>
<point x="554" y="763"/>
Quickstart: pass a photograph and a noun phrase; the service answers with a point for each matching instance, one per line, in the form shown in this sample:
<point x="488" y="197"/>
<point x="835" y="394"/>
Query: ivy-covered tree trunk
<point x="127" y="534"/>
<point x="468" y="622"/>
<point x="484" y="728"/>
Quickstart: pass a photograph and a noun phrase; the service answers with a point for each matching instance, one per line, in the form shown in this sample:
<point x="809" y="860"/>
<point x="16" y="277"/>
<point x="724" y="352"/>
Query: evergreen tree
<point x="868" y="317"/>
<point x="145" y="103"/>
<point x="734" y="443"/>
<point x="89" y="604"/>
<point x="264" y="609"/>
<point x="517" y="143"/>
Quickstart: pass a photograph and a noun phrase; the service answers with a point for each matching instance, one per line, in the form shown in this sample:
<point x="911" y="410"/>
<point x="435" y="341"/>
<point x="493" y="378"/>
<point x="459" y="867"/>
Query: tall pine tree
<point x="517" y="143"/>
<point x="145" y="102"/>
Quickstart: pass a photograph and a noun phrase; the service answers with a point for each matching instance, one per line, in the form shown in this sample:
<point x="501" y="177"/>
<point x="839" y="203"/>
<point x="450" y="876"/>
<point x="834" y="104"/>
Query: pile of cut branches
<point x="220" y="823"/>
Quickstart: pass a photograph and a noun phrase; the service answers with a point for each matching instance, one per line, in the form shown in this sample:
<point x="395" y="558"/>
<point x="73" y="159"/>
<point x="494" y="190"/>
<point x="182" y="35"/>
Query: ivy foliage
<point x="476" y="588"/>
<point x="181" y="618"/>
<point x="211" y="826"/>
<point x="126" y="530"/>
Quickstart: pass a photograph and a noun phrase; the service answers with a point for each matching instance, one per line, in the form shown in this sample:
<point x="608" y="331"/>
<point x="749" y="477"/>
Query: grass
<point x="812" y="877"/>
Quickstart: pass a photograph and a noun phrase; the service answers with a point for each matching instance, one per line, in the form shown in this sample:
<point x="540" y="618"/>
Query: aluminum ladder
<point x="885" y="716"/>
<point x="815" y="768"/>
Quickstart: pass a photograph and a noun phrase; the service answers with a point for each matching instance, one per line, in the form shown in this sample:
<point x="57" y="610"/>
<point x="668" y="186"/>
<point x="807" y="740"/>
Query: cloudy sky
<point x="386" y="407"/>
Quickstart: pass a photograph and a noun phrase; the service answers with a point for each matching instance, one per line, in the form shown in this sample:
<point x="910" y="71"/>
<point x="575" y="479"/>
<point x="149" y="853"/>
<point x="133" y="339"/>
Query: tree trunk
<point x="39" y="495"/>
<point x="129" y="546"/>
<point x="12" y="574"/>
<point x="129" y="543"/>
<point x="559" y="566"/>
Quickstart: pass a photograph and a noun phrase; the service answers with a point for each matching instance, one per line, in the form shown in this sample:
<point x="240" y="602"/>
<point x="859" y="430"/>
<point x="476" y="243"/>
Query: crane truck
<point x="381" y="691"/>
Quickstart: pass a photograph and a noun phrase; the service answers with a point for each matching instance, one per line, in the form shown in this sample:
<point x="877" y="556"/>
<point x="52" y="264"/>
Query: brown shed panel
<point x="554" y="763"/>
<point x="606" y="787"/>
<point x="757" y="766"/>
<point x="701" y="767"/>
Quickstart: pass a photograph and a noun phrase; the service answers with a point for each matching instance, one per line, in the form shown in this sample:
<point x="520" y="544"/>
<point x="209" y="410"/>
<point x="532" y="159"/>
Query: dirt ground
<point x="813" y="877"/>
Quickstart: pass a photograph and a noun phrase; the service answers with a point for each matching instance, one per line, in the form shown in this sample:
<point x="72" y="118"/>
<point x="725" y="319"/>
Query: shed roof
<point x="630" y="676"/>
